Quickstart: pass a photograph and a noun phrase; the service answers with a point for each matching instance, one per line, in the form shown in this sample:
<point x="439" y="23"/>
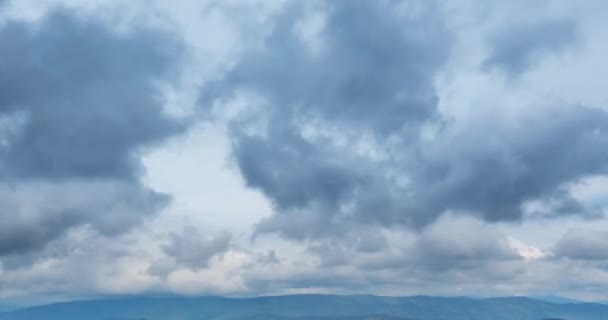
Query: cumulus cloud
<point x="78" y="103"/>
<point x="84" y="115"/>
<point x="349" y="133"/>
<point x="357" y="82"/>
<point x="494" y="165"/>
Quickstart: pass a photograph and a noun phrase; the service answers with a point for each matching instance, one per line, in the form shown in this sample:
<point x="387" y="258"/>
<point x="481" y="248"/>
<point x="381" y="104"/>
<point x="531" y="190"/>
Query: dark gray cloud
<point x="376" y="77"/>
<point x="78" y="102"/>
<point x="191" y="249"/>
<point x="374" y="68"/>
<point x="302" y="166"/>
<point x="493" y="166"/>
<point x="349" y="134"/>
<point x="88" y="97"/>
<point x="373" y="73"/>
<point x="582" y="244"/>
<point x="518" y="47"/>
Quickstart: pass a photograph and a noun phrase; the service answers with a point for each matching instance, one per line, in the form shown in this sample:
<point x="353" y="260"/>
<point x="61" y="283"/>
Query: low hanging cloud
<point x="454" y="251"/>
<point x="190" y="248"/>
<point x="35" y="213"/>
<point x="580" y="244"/>
<point x="78" y="103"/>
<point x="342" y="127"/>
<point x="452" y="243"/>
<point x="460" y="244"/>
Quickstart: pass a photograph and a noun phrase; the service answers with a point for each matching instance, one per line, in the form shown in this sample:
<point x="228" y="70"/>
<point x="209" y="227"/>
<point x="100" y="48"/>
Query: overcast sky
<point x="261" y="147"/>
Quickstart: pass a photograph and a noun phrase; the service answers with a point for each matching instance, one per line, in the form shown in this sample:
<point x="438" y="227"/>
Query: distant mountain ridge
<point x="313" y="307"/>
<point x="556" y="299"/>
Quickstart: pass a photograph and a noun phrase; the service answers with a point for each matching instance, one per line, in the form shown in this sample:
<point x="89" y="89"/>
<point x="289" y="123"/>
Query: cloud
<point x="518" y="47"/>
<point x="451" y="243"/>
<point x="460" y="243"/>
<point x="579" y="244"/>
<point x="89" y="97"/>
<point x="342" y="251"/>
<point x="454" y="253"/>
<point x="341" y="117"/>
<point x="194" y="250"/>
<point x="354" y="68"/>
<point x="348" y="133"/>
<point x="494" y="165"/>
<point x="353" y="81"/>
<point x="35" y="213"/>
<point x="79" y="262"/>
<point x="78" y="103"/>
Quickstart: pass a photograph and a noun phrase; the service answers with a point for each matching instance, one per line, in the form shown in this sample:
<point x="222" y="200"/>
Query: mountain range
<point x="313" y="307"/>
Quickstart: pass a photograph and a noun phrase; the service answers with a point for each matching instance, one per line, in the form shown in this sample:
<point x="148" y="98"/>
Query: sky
<point x="264" y="147"/>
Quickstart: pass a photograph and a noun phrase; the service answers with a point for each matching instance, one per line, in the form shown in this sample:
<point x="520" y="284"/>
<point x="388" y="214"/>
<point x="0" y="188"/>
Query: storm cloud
<point x="366" y="80"/>
<point x="82" y="114"/>
<point x="78" y="103"/>
<point x="342" y="126"/>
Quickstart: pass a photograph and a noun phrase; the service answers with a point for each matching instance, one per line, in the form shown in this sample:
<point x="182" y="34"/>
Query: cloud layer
<point x="387" y="147"/>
